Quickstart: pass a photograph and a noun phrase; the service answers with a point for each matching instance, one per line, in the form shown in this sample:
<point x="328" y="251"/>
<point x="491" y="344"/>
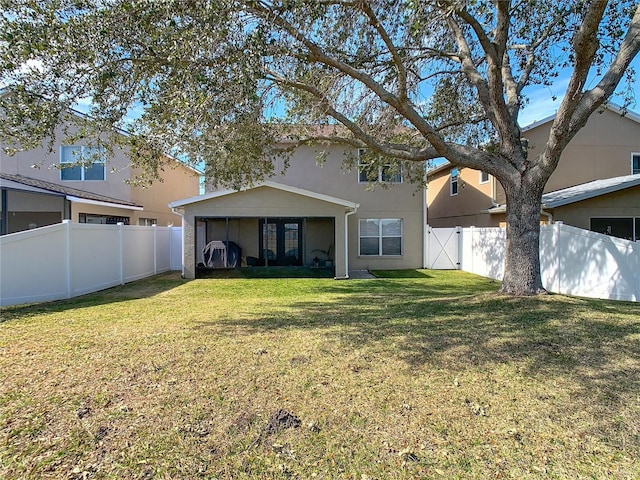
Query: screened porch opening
<point x="254" y="242"/>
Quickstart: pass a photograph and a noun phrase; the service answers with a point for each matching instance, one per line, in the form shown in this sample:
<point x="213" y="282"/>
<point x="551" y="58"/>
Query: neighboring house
<point x="36" y="189"/>
<point x="607" y="148"/>
<point x="313" y="215"/>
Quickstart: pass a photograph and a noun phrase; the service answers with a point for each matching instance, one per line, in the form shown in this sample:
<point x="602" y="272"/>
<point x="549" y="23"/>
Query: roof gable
<point x="277" y="186"/>
<point x="610" y="106"/>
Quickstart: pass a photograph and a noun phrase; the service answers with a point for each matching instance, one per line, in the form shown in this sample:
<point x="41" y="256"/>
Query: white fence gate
<point x="70" y="259"/>
<point x="573" y="261"/>
<point x="443" y="248"/>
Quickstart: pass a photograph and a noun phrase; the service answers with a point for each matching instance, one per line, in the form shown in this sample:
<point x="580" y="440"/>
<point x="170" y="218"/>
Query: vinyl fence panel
<point x="71" y="259"/>
<point x="95" y="257"/>
<point x="572" y="261"/>
<point x="33" y="265"/>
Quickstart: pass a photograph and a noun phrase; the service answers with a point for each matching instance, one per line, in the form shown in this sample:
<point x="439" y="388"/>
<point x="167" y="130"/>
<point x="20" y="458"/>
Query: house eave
<point x="278" y="186"/>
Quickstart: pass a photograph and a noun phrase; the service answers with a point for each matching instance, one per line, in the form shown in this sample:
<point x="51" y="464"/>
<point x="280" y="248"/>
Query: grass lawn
<point x="421" y="374"/>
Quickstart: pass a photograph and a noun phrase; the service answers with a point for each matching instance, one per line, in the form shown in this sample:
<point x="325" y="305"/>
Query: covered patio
<point x="265" y="226"/>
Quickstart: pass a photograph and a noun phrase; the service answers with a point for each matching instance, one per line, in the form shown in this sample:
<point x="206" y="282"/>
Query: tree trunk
<point x="522" y="255"/>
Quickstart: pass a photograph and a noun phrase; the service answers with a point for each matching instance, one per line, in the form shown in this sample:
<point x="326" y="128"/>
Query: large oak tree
<point x="217" y="82"/>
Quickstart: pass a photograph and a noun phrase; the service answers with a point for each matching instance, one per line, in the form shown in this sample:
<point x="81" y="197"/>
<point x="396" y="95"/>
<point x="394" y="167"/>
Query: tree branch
<point x="402" y="72"/>
<point x="317" y="54"/>
<point x="392" y="150"/>
<point x="585" y="43"/>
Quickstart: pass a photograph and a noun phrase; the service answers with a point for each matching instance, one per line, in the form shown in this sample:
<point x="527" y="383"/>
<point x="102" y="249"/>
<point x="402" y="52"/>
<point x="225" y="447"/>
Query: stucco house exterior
<point x="595" y="186"/>
<point x="313" y="215"/>
<point x="36" y="189"/>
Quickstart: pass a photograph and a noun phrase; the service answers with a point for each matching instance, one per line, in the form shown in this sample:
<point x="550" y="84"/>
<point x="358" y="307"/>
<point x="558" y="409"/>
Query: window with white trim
<point x="82" y="163"/>
<point x="367" y="172"/>
<point x="380" y="236"/>
<point x="484" y="177"/>
<point x="147" y="222"/>
<point x="453" y="184"/>
<point x="101" y="219"/>
<point x="635" y="163"/>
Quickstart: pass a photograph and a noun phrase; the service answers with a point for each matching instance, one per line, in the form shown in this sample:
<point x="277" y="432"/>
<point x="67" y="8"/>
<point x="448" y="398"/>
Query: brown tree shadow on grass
<point x="145" y="288"/>
<point x="589" y="343"/>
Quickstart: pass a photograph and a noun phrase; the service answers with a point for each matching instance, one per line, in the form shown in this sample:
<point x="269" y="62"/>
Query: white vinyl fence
<point x="70" y="259"/>
<point x="573" y="261"/>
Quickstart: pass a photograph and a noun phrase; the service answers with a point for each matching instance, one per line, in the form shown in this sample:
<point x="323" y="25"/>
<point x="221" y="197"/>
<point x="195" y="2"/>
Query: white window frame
<point x="381" y="174"/>
<point x="481" y="181"/>
<point x="82" y="167"/>
<point x="454" y="180"/>
<point x="634" y="218"/>
<point x="380" y="236"/>
<point x="147" y="222"/>
<point x="635" y="154"/>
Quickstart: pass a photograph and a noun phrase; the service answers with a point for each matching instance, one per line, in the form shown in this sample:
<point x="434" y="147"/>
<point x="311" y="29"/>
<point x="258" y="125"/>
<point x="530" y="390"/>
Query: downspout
<point x="547" y="214"/>
<point x="181" y="215"/>
<point x="346" y="243"/>
<point x="424" y="220"/>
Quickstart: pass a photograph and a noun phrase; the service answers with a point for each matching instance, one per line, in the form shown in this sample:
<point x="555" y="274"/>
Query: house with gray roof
<point x="596" y="185"/>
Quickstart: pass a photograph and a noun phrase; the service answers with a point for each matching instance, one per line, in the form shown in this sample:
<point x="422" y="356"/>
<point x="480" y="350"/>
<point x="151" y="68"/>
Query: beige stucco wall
<point x="399" y="200"/>
<point x="178" y="182"/>
<point x="602" y="149"/>
<point x="43" y="164"/>
<point x="624" y="203"/>
<point x="463" y="209"/>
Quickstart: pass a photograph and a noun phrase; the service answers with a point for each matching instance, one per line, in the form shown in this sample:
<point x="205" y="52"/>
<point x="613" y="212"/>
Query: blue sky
<point x="542" y="105"/>
<point x="541" y="99"/>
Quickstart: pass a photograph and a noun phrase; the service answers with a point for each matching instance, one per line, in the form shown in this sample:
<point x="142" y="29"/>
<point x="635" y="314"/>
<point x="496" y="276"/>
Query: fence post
<point x="459" y="249"/>
<point x="558" y="252"/>
<point x="637" y="248"/>
<point x="472" y="233"/>
<point x="428" y="255"/>
<point x="155" y="249"/>
<point x="67" y="225"/>
<point x="121" y="240"/>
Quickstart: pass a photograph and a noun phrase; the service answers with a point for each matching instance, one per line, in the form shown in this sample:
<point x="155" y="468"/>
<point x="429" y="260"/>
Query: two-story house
<point x="40" y="187"/>
<point x="595" y="187"/>
<point x="312" y="215"/>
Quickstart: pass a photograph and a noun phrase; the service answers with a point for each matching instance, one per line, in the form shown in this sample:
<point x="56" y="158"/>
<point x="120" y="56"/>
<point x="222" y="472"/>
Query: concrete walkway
<point x="361" y="275"/>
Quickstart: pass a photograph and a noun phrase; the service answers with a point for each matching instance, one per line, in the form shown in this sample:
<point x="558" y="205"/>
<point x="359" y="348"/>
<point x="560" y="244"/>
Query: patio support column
<point x="5" y="212"/>
<point x="226" y="257"/>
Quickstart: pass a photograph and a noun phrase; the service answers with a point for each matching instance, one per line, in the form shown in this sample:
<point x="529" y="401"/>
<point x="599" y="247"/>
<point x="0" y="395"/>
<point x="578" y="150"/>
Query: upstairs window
<point x="454" y="181"/>
<point x="635" y="163"/>
<point x="367" y="172"/>
<point x="82" y="163"/>
<point x="484" y="177"/>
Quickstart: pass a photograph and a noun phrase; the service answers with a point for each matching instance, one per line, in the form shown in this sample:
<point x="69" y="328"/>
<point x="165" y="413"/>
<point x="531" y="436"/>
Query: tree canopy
<point x="220" y="82"/>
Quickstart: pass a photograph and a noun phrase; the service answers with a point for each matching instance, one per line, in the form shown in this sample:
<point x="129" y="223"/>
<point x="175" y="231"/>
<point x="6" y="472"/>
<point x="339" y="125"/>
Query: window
<point x="627" y="228"/>
<point x="635" y="163"/>
<point x="389" y="173"/>
<point x="82" y="163"/>
<point x="101" y="219"/>
<point x="147" y="222"/>
<point x="380" y="237"/>
<point x="484" y="177"/>
<point x="454" y="181"/>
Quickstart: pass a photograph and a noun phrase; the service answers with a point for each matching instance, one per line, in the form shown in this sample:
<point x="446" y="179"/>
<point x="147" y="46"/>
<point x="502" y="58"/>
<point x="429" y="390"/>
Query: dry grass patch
<point x="420" y="375"/>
